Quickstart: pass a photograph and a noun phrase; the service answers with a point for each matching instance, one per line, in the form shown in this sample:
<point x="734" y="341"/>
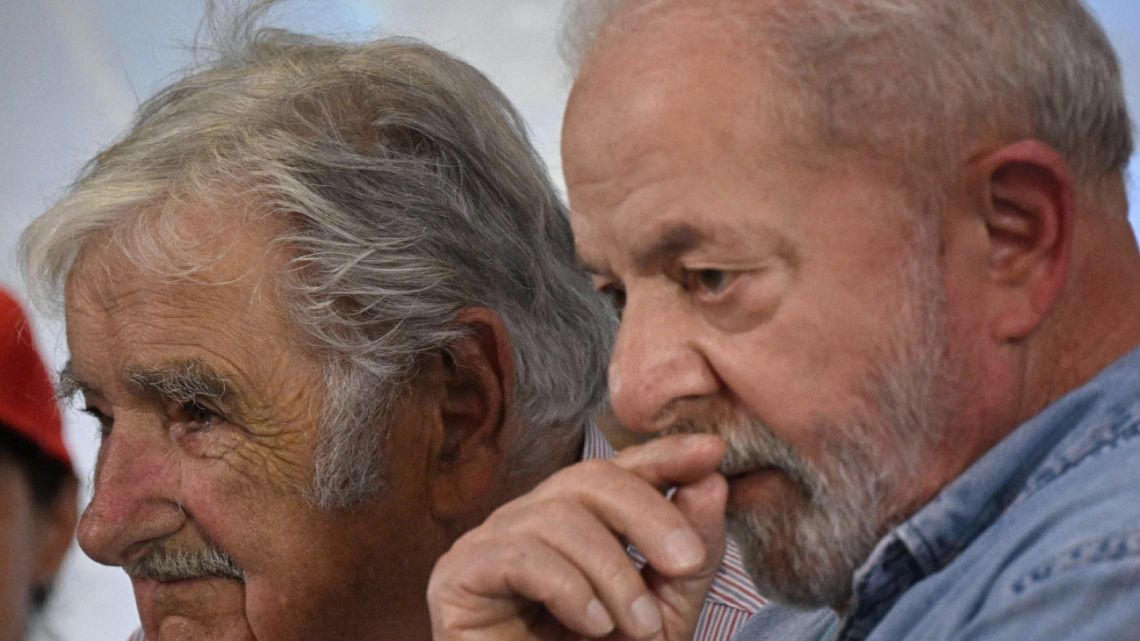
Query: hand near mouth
<point x="553" y="564"/>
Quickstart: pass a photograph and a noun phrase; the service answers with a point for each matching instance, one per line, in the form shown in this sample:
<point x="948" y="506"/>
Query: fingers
<point x="681" y="598"/>
<point x="703" y="505"/>
<point x="587" y="542"/>
<point x="563" y="546"/>
<point x="673" y="460"/>
<point x="501" y="575"/>
<point x="636" y="512"/>
<point x="553" y="552"/>
<point x="671" y="540"/>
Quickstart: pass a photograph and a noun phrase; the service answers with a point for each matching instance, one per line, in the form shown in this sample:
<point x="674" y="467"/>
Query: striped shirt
<point x="731" y="600"/>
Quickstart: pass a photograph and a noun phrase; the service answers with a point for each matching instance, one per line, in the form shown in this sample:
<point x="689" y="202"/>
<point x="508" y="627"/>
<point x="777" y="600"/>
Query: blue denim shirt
<point x="1038" y="540"/>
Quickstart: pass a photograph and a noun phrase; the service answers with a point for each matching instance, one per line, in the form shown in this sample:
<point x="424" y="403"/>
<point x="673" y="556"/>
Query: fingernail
<point x="599" y="620"/>
<point x="645" y="615"/>
<point x="684" y="548"/>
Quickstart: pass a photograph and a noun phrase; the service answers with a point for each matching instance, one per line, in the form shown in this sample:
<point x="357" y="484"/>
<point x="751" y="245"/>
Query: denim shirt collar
<point x="1030" y="457"/>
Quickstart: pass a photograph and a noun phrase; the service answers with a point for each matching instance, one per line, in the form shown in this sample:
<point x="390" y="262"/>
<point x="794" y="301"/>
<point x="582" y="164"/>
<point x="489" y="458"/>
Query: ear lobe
<point x="478" y="387"/>
<point x="1028" y="208"/>
<point x="57" y="529"/>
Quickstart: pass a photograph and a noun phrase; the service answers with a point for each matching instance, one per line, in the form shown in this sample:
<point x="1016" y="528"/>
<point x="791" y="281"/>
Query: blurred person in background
<point x="37" y="487"/>
<point x="322" y="300"/>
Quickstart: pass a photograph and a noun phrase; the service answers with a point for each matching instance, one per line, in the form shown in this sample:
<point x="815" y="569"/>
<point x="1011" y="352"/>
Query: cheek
<point x="239" y="505"/>
<point x="788" y="373"/>
<point x="238" y="474"/>
<point x="330" y="569"/>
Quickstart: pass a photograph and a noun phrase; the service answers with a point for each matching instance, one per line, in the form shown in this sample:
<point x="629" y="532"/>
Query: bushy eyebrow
<point x="67" y="386"/>
<point x="180" y="381"/>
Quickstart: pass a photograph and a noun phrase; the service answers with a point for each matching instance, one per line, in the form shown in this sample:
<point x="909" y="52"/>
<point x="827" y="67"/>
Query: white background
<point x="73" y="71"/>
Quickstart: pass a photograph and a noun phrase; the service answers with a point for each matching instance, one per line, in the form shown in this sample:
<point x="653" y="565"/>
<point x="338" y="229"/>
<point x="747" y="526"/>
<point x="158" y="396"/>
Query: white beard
<point x="805" y="551"/>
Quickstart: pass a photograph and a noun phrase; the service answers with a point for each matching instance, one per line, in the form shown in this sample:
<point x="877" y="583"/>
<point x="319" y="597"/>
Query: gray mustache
<point x="179" y="565"/>
<point x="750" y="445"/>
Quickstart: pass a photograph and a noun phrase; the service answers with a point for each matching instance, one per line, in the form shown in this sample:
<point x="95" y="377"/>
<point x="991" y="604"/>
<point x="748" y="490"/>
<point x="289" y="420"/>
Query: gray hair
<point x="917" y="81"/>
<point x="406" y="190"/>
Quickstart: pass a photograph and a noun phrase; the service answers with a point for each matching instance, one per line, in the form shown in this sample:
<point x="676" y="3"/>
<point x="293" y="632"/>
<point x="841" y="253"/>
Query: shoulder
<point x="1063" y="561"/>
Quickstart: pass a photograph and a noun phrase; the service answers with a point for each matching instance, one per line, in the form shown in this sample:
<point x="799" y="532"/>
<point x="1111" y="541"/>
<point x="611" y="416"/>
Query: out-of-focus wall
<point x="73" y="71"/>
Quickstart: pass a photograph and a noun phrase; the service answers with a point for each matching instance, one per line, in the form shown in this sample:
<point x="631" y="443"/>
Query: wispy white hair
<point x="406" y="190"/>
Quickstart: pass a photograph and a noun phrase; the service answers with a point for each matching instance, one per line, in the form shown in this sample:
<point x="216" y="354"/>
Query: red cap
<point x="27" y="397"/>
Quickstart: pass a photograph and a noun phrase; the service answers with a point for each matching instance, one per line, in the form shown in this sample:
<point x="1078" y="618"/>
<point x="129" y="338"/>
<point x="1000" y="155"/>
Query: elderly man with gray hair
<point x="881" y="299"/>
<point x="323" y="301"/>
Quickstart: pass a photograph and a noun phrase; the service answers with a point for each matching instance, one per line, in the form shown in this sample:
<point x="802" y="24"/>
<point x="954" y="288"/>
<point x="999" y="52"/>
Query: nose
<point x="135" y="497"/>
<point x="656" y="360"/>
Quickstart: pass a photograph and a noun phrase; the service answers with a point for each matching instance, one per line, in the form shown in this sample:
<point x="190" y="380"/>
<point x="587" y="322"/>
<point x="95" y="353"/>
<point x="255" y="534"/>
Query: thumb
<point x="681" y="598"/>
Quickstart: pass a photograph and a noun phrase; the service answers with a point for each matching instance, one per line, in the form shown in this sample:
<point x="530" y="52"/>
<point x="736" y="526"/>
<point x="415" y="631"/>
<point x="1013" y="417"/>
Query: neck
<point x="1098" y="319"/>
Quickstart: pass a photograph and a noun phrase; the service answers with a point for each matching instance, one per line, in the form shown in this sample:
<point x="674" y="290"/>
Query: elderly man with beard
<point x="873" y="258"/>
<point x="323" y="300"/>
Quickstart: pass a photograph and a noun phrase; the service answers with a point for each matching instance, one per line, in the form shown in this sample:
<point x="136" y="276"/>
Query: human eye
<point x="105" y="422"/>
<point x="195" y="416"/>
<point x="615" y="294"/>
<point x="708" y="283"/>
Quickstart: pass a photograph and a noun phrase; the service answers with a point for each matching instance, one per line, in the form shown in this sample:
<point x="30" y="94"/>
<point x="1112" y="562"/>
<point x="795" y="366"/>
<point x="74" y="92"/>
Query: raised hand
<point x="552" y="564"/>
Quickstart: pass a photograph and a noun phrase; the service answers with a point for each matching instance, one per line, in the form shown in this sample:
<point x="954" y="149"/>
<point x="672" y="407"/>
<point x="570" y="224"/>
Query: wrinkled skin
<point x="769" y="282"/>
<point x="182" y="473"/>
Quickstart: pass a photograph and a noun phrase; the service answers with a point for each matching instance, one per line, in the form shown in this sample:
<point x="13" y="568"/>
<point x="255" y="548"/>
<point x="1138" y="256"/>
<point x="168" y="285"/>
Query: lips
<point x="733" y="467"/>
<point x="177" y="590"/>
<point x="748" y="489"/>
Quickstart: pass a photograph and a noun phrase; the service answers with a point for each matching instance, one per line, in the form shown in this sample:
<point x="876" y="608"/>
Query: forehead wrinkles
<point x="194" y="240"/>
<point x="233" y="301"/>
<point x="173" y="251"/>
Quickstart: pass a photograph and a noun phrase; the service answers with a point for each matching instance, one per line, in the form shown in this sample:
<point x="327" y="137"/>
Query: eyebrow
<point x="674" y="240"/>
<point x="182" y="380"/>
<point x="678" y="238"/>
<point x="67" y="385"/>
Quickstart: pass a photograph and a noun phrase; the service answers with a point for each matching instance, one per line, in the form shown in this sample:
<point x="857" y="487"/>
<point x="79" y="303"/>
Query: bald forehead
<point x="712" y="45"/>
<point x="672" y="26"/>
<point x="685" y="68"/>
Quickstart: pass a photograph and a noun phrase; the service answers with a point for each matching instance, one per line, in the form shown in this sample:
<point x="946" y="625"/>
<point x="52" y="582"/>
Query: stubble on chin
<point x="861" y="482"/>
<point x="211" y="609"/>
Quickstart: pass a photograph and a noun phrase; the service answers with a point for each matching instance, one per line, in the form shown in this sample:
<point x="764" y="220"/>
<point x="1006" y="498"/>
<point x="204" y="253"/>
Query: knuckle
<point x="555" y="510"/>
<point x="561" y="587"/>
<point x="621" y="577"/>
<point x="586" y="472"/>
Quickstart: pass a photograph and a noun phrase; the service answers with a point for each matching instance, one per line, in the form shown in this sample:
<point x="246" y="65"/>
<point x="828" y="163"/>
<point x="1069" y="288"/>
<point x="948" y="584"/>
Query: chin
<point x="796" y="559"/>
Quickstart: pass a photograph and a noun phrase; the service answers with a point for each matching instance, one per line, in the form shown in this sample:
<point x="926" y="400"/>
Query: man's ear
<point x="56" y="529"/>
<point x="478" y="389"/>
<point x="1027" y="201"/>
